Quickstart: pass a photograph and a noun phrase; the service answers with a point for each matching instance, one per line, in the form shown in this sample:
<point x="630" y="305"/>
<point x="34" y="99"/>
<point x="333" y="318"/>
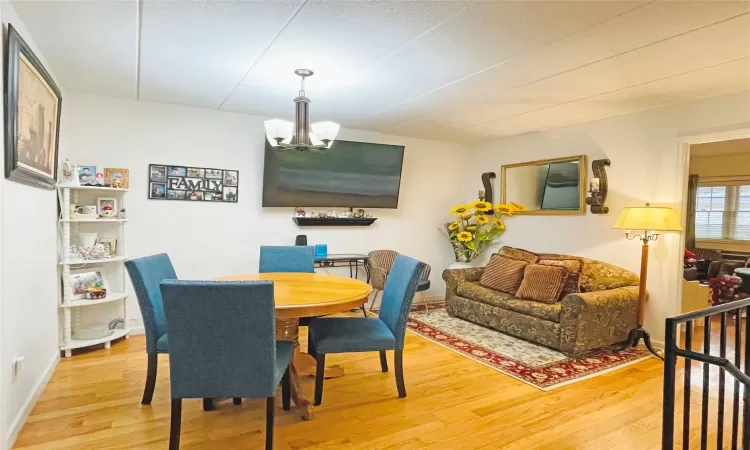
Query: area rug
<point x="533" y="364"/>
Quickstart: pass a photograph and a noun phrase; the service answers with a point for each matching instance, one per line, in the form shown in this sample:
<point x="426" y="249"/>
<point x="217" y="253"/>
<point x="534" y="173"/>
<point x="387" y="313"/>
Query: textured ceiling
<point x="453" y="70"/>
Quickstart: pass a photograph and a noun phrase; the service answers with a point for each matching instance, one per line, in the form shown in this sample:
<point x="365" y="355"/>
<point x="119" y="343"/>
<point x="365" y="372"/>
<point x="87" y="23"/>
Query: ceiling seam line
<point x="139" y="48"/>
<point x="442" y="22"/>
<point x="605" y="59"/>
<point x="580" y="67"/>
<point x="575" y="122"/>
<point x="505" y="61"/>
<point x="605" y="93"/>
<point x="270" y="43"/>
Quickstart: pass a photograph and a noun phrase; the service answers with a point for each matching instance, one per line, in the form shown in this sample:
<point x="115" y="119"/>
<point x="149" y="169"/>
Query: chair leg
<point x="383" y="361"/>
<point x="374" y="299"/>
<point x="398" y="357"/>
<point x="319" y="376"/>
<point x="148" y="391"/>
<point x="310" y="344"/>
<point x="208" y="404"/>
<point x="269" y="422"/>
<point x="364" y="310"/>
<point x="424" y="300"/>
<point x="286" y="390"/>
<point x="174" y="429"/>
<point x="237" y="401"/>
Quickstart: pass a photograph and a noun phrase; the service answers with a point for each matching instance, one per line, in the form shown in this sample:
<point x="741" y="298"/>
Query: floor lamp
<point x="651" y="220"/>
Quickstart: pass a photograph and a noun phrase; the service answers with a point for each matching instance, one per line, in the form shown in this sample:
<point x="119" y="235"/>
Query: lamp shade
<point x="651" y="218"/>
<point x="278" y="129"/>
<point x="325" y="131"/>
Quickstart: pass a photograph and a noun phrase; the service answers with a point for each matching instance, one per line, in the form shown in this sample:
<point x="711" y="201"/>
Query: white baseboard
<point x="657" y="344"/>
<point x="137" y="330"/>
<point x="28" y="405"/>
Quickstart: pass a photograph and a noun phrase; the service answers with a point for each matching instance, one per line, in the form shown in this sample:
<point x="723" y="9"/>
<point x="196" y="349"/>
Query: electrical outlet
<point x="17" y="367"/>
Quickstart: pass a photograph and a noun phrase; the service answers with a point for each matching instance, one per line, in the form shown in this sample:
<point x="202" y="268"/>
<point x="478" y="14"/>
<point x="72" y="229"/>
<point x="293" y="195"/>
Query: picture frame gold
<point x="110" y="243"/>
<point x="122" y="174"/>
<point x="582" y="185"/>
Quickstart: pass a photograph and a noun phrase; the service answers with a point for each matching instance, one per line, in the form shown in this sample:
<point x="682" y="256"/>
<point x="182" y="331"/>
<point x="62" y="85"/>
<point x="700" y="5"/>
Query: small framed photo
<point x="230" y="178"/>
<point x="86" y="175"/>
<point x="175" y="195"/>
<point x="194" y="172"/>
<point x="110" y="245"/>
<point x="159" y="174"/>
<point x="83" y="279"/>
<point x="106" y="206"/>
<point x="229" y="194"/>
<point x="213" y="173"/>
<point x="175" y="171"/>
<point x="212" y="196"/>
<point x="194" y="195"/>
<point x="110" y="175"/>
<point x="157" y="190"/>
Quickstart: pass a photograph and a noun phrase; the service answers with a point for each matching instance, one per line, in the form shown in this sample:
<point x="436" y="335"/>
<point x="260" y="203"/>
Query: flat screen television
<point x="350" y="174"/>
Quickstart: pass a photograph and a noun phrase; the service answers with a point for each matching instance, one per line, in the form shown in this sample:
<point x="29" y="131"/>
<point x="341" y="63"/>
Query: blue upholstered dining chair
<point x="287" y="259"/>
<point x="145" y="274"/>
<point x="222" y="343"/>
<point x="300" y="259"/>
<point x="369" y="334"/>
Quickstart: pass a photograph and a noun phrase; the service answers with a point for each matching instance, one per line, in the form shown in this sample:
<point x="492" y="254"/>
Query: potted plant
<point x="473" y="230"/>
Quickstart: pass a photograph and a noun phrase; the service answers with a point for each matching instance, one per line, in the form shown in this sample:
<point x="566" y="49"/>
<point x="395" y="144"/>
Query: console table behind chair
<point x="351" y="260"/>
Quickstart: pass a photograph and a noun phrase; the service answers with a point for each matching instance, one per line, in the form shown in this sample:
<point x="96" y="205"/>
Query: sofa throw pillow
<point x="542" y="283"/>
<point x="574" y="267"/>
<point x="601" y="276"/>
<point x="518" y="254"/>
<point x="503" y="274"/>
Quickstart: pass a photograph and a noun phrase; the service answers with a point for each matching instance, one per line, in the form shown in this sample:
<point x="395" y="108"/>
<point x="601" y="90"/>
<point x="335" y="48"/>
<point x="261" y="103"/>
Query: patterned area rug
<point x="533" y="364"/>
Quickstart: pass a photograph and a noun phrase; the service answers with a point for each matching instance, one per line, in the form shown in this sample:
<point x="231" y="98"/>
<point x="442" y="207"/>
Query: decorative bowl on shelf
<point x="96" y="294"/>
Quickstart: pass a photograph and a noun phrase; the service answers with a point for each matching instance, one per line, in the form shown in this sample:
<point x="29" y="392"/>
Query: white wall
<point x="206" y="240"/>
<point x="28" y="283"/>
<point x="643" y="148"/>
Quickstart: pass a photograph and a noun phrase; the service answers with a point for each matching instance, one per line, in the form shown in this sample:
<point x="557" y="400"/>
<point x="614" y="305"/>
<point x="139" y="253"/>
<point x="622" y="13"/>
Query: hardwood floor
<point x="93" y="402"/>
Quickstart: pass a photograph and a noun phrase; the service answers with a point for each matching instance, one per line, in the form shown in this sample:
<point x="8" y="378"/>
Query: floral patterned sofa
<point x="598" y="316"/>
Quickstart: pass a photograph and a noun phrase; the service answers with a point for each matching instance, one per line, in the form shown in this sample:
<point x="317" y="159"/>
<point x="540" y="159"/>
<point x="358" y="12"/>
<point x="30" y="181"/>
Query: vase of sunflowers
<point x="474" y="230"/>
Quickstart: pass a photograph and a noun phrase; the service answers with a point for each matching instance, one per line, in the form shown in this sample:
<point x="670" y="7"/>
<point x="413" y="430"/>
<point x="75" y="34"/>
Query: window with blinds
<point x="723" y="212"/>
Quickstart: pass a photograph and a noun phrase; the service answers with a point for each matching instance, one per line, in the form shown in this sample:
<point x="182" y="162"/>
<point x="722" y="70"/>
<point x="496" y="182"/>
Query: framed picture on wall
<point x="190" y="183"/>
<point x="32" y="117"/>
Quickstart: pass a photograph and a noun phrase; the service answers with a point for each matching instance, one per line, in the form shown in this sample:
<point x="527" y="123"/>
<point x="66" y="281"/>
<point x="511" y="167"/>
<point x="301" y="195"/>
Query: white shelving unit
<point x="70" y="307"/>
<point x="78" y="262"/>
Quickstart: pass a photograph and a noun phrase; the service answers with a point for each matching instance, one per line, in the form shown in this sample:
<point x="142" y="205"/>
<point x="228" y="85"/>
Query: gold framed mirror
<point x="546" y="187"/>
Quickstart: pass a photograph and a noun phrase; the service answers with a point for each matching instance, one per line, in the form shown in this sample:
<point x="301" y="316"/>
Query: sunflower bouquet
<point x="473" y="230"/>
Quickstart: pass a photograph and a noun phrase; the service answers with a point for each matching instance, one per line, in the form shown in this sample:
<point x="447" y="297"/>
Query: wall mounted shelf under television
<point x="334" y="221"/>
<point x="350" y="175"/>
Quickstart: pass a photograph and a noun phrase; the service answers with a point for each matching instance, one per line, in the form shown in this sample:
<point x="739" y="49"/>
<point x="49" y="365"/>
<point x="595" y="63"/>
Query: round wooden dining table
<point x="299" y="295"/>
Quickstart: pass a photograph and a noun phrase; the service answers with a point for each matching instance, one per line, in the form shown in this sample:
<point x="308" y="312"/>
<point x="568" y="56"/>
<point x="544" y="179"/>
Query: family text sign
<point x="167" y="182"/>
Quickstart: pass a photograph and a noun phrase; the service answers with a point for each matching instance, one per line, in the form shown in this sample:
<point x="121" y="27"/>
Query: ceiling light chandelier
<point x="285" y="135"/>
